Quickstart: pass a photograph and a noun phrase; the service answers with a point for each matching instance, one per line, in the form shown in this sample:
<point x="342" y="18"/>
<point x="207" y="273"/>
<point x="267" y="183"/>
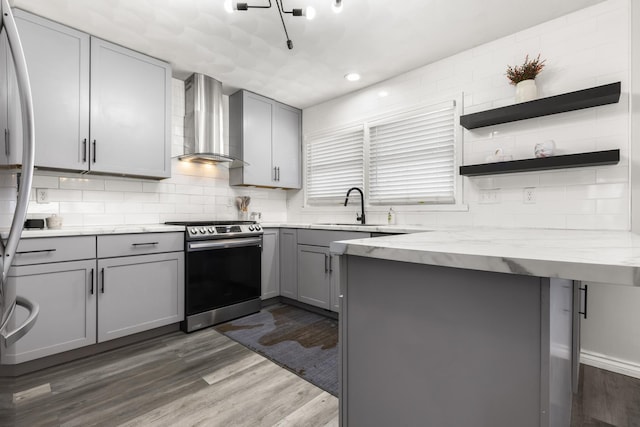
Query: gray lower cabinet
<point x="318" y="270"/>
<point x="58" y="274"/>
<point x="65" y="292"/>
<point x="137" y="293"/>
<point x="95" y="288"/>
<point x="314" y="276"/>
<point x="270" y="263"/>
<point x="289" y="263"/>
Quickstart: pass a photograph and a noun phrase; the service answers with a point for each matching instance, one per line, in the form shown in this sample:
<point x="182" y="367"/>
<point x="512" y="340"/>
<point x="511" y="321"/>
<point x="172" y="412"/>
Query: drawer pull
<point x="145" y="244"/>
<point x="35" y="252"/>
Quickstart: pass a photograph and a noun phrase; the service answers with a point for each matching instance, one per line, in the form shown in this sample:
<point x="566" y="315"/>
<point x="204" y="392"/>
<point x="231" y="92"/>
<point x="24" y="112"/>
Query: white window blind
<point x="335" y="163"/>
<point x="411" y="159"/>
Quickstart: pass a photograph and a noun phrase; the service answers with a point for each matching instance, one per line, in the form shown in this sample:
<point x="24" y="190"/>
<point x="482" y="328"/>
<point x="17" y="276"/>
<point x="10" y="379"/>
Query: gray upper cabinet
<point x="10" y="120"/>
<point x="58" y="62"/>
<point x="266" y="135"/>
<point x="130" y="112"/>
<point x="99" y="107"/>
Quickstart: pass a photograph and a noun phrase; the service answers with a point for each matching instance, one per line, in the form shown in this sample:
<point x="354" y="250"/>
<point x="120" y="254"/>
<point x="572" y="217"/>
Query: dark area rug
<point x="303" y="342"/>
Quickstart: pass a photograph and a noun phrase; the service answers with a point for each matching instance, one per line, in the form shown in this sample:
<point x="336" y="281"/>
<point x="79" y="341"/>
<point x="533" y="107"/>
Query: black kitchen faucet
<point x="346" y="200"/>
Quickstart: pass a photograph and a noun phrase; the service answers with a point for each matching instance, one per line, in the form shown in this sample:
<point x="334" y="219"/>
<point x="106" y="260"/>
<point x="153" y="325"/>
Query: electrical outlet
<point x="529" y="195"/>
<point x="42" y="195"/>
<point x="489" y="196"/>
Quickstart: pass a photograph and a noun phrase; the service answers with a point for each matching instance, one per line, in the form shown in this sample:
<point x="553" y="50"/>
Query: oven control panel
<point x="222" y="231"/>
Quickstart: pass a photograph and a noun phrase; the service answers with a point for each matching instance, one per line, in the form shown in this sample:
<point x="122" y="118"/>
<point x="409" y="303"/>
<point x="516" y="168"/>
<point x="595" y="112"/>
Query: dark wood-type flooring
<point x="606" y="399"/>
<point x="204" y="378"/>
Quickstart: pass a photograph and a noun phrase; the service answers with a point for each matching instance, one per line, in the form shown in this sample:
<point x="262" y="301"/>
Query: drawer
<point x="55" y="249"/>
<point x="325" y="237"/>
<point x="139" y="244"/>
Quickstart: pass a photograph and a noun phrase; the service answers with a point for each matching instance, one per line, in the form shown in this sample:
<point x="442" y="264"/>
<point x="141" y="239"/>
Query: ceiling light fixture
<point x="336" y="6"/>
<point x="308" y="12"/>
<point x="352" y="77"/>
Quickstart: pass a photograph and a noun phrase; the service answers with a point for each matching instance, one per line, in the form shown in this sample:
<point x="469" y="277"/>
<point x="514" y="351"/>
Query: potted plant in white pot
<point x="523" y="77"/>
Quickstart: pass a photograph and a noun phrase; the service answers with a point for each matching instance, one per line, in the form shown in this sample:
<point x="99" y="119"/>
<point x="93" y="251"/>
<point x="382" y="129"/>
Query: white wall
<point x="194" y="192"/>
<point x="583" y="49"/>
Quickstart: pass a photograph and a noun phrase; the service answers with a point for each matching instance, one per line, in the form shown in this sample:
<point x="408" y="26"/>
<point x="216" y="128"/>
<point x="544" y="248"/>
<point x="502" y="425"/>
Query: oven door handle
<point x="225" y="243"/>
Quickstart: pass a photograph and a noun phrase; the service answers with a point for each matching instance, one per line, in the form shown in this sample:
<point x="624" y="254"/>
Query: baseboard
<point x="624" y="367"/>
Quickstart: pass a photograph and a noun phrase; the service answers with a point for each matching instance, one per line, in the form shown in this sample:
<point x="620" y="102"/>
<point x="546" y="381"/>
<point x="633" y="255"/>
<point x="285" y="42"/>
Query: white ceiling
<point x="377" y="38"/>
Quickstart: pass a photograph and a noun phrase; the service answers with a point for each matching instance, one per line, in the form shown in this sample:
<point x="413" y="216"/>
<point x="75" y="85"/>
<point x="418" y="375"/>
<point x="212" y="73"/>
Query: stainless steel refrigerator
<point x="9" y="331"/>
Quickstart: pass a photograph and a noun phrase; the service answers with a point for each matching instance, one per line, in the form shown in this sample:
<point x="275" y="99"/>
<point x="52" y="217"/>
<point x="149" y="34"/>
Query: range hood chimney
<point x="203" y="121"/>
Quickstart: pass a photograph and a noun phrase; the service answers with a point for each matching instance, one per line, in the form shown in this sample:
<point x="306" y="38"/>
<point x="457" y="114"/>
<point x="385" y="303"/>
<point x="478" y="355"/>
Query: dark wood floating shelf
<point x="595" y="158"/>
<point x="599" y="95"/>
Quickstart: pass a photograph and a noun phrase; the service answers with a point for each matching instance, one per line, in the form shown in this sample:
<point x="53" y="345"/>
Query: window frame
<point x="458" y="145"/>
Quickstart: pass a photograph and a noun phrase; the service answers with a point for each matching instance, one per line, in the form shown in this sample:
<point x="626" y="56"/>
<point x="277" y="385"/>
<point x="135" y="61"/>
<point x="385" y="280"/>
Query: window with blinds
<point x="335" y="163"/>
<point x="412" y="158"/>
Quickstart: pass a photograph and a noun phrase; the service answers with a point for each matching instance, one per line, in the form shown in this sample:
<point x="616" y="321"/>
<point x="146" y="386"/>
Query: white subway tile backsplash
<point x="123" y="185"/>
<point x="79" y="207"/>
<point x="102" y="196"/>
<point x="45" y="181"/>
<point x="81" y="183"/>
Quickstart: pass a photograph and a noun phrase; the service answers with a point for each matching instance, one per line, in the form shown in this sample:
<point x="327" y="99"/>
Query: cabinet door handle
<point x="145" y="244"/>
<point x="102" y="287"/>
<point x="330" y="264"/>
<point x="326" y="268"/>
<point x="7" y="149"/>
<point x="278" y="173"/>
<point x="84" y="150"/>
<point x="92" y="281"/>
<point x="586" y="294"/>
<point x="94" y="151"/>
<point x="275" y="173"/>
<point x="35" y="252"/>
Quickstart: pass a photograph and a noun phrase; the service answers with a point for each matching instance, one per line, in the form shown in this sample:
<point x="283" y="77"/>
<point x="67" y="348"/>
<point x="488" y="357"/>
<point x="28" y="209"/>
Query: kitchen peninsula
<point x="469" y="327"/>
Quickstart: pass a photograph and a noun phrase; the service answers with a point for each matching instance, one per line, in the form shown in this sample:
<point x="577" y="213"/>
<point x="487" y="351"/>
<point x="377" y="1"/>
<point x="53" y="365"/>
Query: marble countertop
<point x="598" y="256"/>
<point x="99" y="229"/>
<point x="371" y="228"/>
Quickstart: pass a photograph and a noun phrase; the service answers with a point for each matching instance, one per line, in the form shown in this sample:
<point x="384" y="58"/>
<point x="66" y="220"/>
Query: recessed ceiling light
<point x="383" y="93"/>
<point x="352" y="77"/>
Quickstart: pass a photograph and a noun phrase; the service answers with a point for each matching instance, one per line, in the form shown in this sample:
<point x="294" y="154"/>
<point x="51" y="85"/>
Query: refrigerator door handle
<point x="8" y="249"/>
<point x="9" y="338"/>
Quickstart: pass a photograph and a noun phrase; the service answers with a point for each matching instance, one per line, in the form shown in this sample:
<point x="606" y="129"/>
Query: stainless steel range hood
<point x="203" y="121"/>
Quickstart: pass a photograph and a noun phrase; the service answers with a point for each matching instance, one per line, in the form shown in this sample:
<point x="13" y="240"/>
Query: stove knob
<point x="193" y="231"/>
<point x="203" y="230"/>
<point x="251" y="228"/>
<point x="210" y="230"/>
<point x="257" y="228"/>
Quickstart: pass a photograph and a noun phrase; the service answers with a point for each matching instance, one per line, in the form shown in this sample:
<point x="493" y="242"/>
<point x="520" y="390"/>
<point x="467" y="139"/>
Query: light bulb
<point x="228" y="6"/>
<point x="310" y="13"/>
<point x="352" y="77"/>
<point x="336" y="6"/>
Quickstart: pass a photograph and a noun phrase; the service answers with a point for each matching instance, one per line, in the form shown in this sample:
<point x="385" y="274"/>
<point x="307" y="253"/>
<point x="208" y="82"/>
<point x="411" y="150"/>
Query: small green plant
<point x="529" y="70"/>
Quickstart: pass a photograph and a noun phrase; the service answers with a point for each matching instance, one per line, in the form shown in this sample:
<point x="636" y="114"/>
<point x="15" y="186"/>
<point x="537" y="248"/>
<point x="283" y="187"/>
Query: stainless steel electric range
<point x="222" y="271"/>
